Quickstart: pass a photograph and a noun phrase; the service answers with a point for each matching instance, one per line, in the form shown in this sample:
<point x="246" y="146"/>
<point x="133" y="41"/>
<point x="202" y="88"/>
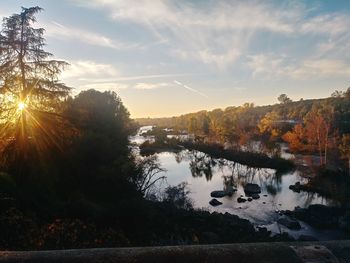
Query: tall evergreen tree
<point x="31" y="94"/>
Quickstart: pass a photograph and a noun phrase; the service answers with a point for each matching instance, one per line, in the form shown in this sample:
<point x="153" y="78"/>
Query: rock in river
<point x="215" y="202"/>
<point x="255" y="196"/>
<point x="241" y="200"/>
<point x="289" y="223"/>
<point x="218" y="194"/>
<point x="250" y="189"/>
<point x="297" y="187"/>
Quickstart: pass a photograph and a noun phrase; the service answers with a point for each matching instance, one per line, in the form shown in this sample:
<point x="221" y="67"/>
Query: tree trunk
<point x="319" y="145"/>
<point x="326" y="146"/>
<point x="23" y="95"/>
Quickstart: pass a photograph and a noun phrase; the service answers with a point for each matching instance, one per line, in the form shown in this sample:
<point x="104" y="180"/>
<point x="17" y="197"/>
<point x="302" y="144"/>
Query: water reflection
<point x="201" y="164"/>
<point x="232" y="173"/>
<point x="205" y="174"/>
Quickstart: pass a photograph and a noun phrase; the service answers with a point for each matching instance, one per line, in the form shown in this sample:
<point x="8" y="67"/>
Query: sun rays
<point x="25" y="126"/>
<point x="21" y="105"/>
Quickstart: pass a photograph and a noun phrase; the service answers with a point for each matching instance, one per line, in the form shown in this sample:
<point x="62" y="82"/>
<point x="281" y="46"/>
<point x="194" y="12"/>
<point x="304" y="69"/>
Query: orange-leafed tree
<point x="296" y="138"/>
<point x="315" y="134"/>
<point x="318" y="125"/>
<point x="269" y="124"/>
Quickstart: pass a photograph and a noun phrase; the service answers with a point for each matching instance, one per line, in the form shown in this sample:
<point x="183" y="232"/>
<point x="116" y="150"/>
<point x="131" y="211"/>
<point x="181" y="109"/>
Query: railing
<point x="329" y="251"/>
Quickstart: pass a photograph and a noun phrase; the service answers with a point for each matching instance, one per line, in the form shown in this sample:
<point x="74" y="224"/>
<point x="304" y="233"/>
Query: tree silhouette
<point x="283" y="98"/>
<point x="31" y="94"/>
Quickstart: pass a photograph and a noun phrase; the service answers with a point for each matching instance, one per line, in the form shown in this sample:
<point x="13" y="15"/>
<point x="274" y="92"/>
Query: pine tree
<point x="31" y="94"/>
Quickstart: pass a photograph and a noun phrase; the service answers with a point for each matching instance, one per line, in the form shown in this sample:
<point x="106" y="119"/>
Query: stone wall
<point x="329" y="251"/>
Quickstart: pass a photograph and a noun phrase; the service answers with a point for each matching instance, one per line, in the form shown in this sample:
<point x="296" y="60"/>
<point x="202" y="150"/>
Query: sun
<point x="21" y="106"/>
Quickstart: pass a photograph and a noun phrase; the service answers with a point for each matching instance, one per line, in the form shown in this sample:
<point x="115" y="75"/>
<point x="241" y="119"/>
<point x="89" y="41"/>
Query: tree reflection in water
<point x="237" y="175"/>
<point x="233" y="174"/>
<point x="201" y="164"/>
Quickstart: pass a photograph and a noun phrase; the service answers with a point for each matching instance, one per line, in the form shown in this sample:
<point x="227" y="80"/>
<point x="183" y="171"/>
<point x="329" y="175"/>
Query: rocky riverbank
<point x="323" y="217"/>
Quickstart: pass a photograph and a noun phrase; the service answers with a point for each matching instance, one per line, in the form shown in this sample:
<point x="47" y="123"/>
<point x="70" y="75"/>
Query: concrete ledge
<point x="329" y="251"/>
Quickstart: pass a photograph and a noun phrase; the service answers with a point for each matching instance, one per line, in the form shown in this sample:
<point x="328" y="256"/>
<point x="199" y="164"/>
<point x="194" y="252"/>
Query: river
<point x="204" y="174"/>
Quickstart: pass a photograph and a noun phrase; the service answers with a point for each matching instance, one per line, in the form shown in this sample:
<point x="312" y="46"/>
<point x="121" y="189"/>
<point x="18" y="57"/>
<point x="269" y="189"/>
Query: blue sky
<point x="167" y="58"/>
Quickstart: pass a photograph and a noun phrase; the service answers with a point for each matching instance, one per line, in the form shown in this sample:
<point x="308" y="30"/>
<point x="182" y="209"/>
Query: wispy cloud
<point x="222" y="34"/>
<point x="136" y="77"/>
<point x="105" y="86"/>
<point x="149" y="86"/>
<point x="329" y="24"/>
<point x="279" y="67"/>
<point x="86" y="68"/>
<point x="216" y="36"/>
<point x="190" y="89"/>
<point x="57" y="30"/>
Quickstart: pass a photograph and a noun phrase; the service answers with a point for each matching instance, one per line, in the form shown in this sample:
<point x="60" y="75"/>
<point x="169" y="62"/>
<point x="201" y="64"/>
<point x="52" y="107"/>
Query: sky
<point x="170" y="57"/>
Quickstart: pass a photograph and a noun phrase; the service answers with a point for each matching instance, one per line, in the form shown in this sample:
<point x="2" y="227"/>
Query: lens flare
<point x="21" y="105"/>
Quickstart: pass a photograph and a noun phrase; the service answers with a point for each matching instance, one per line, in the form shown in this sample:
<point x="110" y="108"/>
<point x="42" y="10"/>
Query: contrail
<point x="190" y="89"/>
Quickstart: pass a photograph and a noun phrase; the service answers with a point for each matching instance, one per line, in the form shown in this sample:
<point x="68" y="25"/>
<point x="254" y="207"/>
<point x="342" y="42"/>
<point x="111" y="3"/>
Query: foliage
<point x="239" y="125"/>
<point x="178" y="196"/>
<point x="283" y="98"/>
<point x="98" y="163"/>
<point x="269" y="124"/>
<point x="31" y="95"/>
<point x="147" y="174"/>
<point x="258" y="160"/>
<point x="159" y="145"/>
<point x="315" y="134"/>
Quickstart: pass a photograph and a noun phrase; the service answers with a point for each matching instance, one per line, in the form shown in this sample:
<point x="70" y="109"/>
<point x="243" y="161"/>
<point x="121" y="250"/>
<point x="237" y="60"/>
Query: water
<point x="205" y="174"/>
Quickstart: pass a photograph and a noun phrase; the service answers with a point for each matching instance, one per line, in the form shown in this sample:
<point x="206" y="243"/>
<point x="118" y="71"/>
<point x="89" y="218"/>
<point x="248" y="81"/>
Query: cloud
<point x="149" y="86"/>
<point x="321" y="68"/>
<point x="86" y="68"/>
<point x="59" y="31"/>
<point x="105" y="86"/>
<point x="279" y="67"/>
<point x="220" y="34"/>
<point x="328" y="24"/>
<point x="190" y="89"/>
<point x="266" y="65"/>
<point x="217" y="35"/>
<point x="136" y="77"/>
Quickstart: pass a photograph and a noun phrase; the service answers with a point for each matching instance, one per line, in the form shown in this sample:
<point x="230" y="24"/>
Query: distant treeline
<point x="248" y="115"/>
<point x="317" y="126"/>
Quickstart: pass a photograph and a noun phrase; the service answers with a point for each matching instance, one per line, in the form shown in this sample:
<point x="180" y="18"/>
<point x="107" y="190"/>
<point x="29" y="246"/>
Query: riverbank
<point x="252" y="159"/>
<point x="133" y="222"/>
<point x="323" y="217"/>
<point x="169" y="145"/>
<point x="327" y="183"/>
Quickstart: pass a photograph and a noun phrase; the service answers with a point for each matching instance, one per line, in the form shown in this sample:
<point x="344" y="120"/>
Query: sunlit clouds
<point x="138" y="48"/>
